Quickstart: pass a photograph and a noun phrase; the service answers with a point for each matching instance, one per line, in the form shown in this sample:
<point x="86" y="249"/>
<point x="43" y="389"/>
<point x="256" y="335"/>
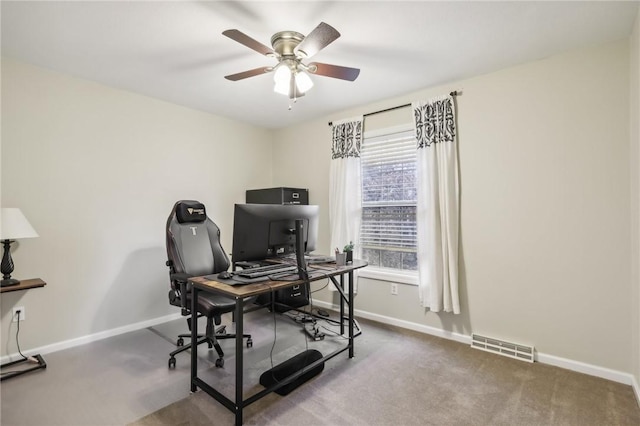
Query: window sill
<point x="384" y="274"/>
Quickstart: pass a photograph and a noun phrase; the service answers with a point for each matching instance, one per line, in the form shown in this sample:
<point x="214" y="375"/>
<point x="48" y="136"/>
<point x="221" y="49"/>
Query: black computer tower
<point x="279" y="195"/>
<point x="286" y="299"/>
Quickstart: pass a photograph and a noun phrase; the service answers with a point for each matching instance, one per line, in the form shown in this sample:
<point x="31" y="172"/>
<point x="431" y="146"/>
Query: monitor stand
<point x="301" y="263"/>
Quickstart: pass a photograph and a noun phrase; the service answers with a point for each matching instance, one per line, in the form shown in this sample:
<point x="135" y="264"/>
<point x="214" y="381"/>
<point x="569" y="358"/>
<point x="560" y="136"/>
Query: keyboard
<point x="264" y="271"/>
<point x="319" y="259"/>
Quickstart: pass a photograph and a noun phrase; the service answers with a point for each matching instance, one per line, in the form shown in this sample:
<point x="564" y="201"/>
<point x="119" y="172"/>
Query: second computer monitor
<point x="262" y="231"/>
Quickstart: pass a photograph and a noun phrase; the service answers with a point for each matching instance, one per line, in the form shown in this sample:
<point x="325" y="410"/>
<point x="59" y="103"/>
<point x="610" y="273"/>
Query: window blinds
<point x="389" y="192"/>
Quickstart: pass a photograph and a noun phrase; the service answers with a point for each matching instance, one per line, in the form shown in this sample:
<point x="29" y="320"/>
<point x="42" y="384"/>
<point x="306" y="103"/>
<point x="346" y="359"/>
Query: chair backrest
<point x="193" y="241"/>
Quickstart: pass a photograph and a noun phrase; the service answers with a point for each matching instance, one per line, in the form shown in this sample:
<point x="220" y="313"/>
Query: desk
<point x="24" y="285"/>
<point x="241" y="292"/>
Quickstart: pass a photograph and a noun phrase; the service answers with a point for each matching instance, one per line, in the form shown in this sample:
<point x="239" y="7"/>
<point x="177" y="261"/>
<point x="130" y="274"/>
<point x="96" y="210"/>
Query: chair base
<point x="211" y="341"/>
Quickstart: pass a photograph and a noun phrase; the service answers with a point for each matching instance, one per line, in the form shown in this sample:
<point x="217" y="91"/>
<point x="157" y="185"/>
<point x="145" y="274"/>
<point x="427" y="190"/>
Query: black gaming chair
<point x="193" y="249"/>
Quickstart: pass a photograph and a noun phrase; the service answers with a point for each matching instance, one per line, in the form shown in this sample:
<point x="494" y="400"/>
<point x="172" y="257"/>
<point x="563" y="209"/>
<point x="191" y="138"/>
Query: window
<point x="388" y="230"/>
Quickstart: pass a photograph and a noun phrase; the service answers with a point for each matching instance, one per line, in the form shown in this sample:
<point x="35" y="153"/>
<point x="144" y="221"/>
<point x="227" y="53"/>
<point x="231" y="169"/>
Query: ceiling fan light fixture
<point x="303" y="82"/>
<point x="282" y="79"/>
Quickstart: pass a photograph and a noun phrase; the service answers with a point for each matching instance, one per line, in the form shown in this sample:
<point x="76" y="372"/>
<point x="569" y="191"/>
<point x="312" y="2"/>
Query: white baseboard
<point x="581" y="367"/>
<point x="592" y="370"/>
<point x="90" y="338"/>
<point x="462" y="338"/>
<point x="401" y="323"/>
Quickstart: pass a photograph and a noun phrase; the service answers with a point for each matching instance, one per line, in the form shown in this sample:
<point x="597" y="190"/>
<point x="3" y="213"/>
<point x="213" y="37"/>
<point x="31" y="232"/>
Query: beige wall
<point x="635" y="194"/>
<point x="96" y="171"/>
<point x="545" y="210"/>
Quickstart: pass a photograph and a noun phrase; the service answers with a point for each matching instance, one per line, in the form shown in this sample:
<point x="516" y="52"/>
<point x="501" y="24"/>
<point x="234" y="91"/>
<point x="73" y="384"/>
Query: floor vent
<point x="512" y="350"/>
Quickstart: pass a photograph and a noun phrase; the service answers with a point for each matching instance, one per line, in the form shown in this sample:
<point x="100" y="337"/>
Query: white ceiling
<point x="175" y="51"/>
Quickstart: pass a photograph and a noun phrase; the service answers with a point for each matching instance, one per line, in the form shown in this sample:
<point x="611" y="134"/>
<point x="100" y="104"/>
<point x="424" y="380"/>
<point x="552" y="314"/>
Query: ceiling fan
<point x="290" y="48"/>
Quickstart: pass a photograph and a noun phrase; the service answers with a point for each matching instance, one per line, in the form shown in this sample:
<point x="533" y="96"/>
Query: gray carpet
<point x="399" y="377"/>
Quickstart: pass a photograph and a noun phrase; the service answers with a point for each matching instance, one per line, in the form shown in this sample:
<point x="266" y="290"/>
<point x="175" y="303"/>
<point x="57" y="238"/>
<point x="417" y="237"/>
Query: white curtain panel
<point x="438" y="203"/>
<point x="345" y="186"/>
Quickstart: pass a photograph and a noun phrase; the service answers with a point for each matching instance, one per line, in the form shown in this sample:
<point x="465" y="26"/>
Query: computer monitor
<point x="262" y="231"/>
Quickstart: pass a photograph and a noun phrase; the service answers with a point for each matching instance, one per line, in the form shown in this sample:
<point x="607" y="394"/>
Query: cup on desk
<point x="341" y="259"/>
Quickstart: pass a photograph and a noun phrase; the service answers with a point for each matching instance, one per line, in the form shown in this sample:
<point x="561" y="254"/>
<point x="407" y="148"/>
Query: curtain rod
<point x="454" y="93"/>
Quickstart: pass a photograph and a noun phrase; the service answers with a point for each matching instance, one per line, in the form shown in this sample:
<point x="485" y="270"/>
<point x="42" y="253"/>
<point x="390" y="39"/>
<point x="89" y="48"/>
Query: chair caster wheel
<point x="249" y="343"/>
<point x="180" y="342"/>
<point x="219" y="362"/>
<point x="172" y="362"/>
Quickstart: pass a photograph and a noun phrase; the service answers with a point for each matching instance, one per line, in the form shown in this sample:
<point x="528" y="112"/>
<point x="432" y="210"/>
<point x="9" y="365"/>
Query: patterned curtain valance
<point x="434" y="121"/>
<point x="347" y="139"/>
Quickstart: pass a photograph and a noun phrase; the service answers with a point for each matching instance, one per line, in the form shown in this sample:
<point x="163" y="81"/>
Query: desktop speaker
<point x="292" y="366"/>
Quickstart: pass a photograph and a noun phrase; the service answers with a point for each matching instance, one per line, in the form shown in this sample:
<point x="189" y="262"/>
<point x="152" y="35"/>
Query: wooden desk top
<point x="253" y="289"/>
<point x="24" y="285"/>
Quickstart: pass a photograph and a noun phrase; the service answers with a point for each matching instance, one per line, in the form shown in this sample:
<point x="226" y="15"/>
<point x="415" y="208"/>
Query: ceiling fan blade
<point x="249" y="73"/>
<point x="242" y="38"/>
<point x="335" y="71"/>
<point x="318" y="39"/>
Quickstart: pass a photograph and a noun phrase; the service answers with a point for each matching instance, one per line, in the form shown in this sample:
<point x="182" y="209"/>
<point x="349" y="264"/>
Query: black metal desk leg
<point x="239" y="314"/>
<point x="342" y="306"/>
<point x="351" y="322"/>
<point x="194" y="336"/>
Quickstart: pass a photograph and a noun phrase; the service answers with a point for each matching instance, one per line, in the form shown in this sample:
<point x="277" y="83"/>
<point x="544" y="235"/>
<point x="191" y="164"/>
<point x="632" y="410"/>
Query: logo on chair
<point x="191" y="210"/>
<point x="193" y="229"/>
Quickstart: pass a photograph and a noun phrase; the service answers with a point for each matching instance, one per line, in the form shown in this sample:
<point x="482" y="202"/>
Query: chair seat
<point x="211" y="305"/>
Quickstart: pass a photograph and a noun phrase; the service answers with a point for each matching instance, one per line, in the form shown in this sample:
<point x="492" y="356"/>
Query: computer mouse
<point x="225" y="275"/>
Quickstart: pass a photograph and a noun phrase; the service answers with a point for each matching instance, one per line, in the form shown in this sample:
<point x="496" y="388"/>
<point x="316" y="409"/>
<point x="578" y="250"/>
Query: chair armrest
<point x="183" y="287"/>
<point x="182" y="277"/>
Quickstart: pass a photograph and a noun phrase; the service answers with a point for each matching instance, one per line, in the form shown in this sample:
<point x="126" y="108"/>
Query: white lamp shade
<point x="15" y="226"/>
<point x="282" y="78"/>
<point x="303" y="81"/>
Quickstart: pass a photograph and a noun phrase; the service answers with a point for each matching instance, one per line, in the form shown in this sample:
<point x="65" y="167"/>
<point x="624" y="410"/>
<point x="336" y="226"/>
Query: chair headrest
<point x="193" y="212"/>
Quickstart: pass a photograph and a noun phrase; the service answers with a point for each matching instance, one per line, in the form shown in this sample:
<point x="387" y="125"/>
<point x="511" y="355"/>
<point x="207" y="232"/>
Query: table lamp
<point x="14" y="226"/>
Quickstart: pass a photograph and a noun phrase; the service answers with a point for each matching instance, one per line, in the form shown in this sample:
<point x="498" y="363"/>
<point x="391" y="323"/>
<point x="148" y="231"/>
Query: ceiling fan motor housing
<point x="285" y="42"/>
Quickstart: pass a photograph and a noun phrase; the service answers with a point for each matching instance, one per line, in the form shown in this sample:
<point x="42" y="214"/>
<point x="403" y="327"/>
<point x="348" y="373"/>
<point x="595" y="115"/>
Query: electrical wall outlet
<point x="394" y="288"/>
<point x="23" y="315"/>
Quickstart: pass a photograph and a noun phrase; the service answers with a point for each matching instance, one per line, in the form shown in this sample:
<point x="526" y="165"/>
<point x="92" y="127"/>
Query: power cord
<point x="17" y="314"/>
<point x="334" y="333"/>
<point x="24" y="357"/>
<point x="275" y="334"/>
<point x="309" y="326"/>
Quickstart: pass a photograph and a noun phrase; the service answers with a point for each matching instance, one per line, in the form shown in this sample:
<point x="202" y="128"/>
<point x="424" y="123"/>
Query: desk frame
<point x="40" y="363"/>
<point x="240" y="293"/>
